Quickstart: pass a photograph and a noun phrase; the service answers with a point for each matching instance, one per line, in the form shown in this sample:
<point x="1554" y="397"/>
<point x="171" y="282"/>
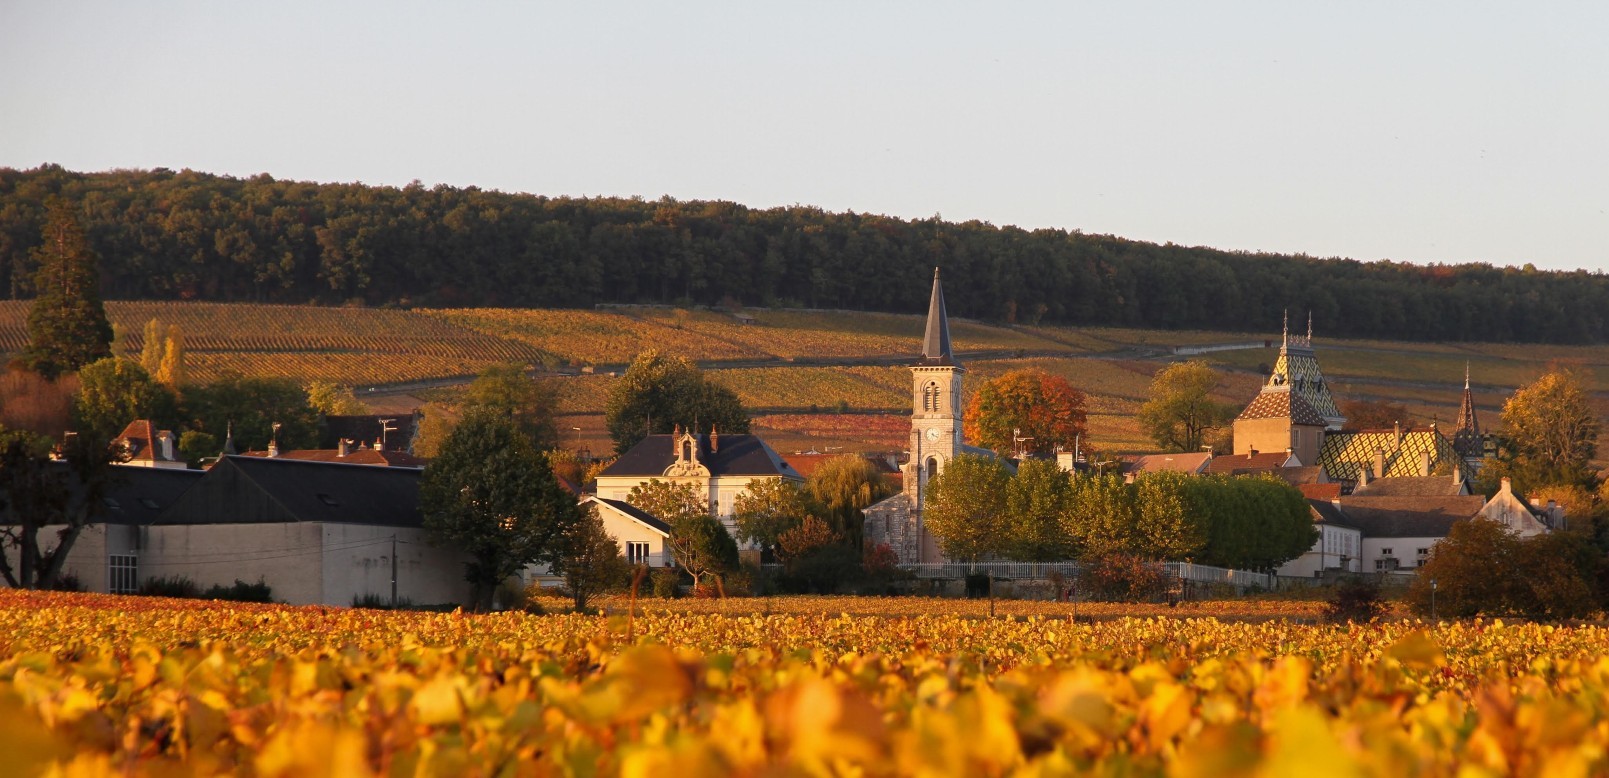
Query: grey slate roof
<point x="253" y="490"/>
<point x="636" y="513"/>
<point x="139" y="495"/>
<point x="1326" y="512"/>
<point x="1409" y="517"/>
<point x="734" y="455"/>
<point x="936" y="349"/>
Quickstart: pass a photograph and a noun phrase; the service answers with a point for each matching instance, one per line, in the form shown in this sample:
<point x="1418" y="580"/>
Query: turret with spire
<point x="1297" y="370"/>
<point x="1467" y="435"/>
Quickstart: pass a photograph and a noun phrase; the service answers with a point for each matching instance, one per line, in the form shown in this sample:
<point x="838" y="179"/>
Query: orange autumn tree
<point x="1043" y="409"/>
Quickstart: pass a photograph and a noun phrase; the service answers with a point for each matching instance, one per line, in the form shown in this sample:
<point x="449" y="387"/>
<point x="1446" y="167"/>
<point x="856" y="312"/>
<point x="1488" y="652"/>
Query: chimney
<point x="715" y="439"/>
<point x="1363" y="476"/>
<point x="1379" y="463"/>
<point x="1251" y="452"/>
<point x="164" y="445"/>
<point x="344" y="447"/>
<point x="1396" y="426"/>
<point x="1458" y="476"/>
<point x="1289" y="452"/>
<point x="1504" y="486"/>
<point x="273" y="448"/>
<point x="1424" y="463"/>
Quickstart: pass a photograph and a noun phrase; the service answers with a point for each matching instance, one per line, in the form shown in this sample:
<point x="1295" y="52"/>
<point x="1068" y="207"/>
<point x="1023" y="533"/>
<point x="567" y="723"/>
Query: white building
<point x="721" y="466"/>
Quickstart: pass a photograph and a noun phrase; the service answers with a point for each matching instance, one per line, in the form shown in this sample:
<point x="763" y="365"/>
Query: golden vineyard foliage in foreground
<point x="94" y="685"/>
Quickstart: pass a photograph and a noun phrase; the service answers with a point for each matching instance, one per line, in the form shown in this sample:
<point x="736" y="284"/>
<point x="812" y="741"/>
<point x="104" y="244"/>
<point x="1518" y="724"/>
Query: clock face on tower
<point x="933" y="434"/>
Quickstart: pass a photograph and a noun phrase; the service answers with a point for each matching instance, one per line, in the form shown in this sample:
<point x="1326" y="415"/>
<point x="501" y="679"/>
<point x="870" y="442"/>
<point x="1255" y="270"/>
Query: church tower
<point x="935" y="398"/>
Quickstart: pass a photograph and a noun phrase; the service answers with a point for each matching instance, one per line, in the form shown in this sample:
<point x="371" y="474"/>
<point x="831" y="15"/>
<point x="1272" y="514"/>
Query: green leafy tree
<point x="844" y="487"/>
<point x="659" y="392"/>
<point x="698" y="541"/>
<point x="530" y="402"/>
<point x="1181" y="414"/>
<point x="490" y="494"/>
<point x="1042" y="408"/>
<point x="331" y="399"/>
<point x="1170" y="516"/>
<point x="1103" y="517"/>
<point x="67" y="325"/>
<point x="37" y="493"/>
<point x="196" y="445"/>
<point x="253" y="406"/>
<point x="1550" y="433"/>
<point x="1037" y="499"/>
<point x="591" y="562"/>
<point x="113" y="392"/>
<point x="965" y="507"/>
<point x="767" y="509"/>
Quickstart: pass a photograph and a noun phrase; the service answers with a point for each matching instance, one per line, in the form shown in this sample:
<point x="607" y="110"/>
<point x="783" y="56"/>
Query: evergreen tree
<point x="67" y="326"/>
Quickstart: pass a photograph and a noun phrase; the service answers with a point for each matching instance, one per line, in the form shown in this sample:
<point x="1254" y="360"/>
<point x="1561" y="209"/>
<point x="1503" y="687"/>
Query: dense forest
<point x="187" y="235"/>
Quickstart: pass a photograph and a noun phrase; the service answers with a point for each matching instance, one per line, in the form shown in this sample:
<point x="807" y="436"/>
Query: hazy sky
<point x="1422" y="132"/>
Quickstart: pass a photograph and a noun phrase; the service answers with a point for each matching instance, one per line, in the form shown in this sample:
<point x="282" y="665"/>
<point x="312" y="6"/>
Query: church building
<point x="936" y="411"/>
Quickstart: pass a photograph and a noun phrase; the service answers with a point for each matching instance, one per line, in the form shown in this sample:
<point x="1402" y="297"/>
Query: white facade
<point x="1338" y="548"/>
<point x="1384" y="555"/>
<point x="639" y="542"/>
<point x="308" y="563"/>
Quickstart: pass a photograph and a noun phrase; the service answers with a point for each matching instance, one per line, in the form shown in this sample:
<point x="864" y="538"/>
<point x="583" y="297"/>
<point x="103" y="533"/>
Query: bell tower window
<point x="930" y="397"/>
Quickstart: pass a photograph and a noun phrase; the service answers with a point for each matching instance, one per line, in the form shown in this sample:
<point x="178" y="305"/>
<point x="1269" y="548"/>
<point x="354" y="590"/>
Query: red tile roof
<point x="139" y="440"/>
<point x="362" y="456"/>
<point x="1231" y="463"/>
<point x="1324" y="492"/>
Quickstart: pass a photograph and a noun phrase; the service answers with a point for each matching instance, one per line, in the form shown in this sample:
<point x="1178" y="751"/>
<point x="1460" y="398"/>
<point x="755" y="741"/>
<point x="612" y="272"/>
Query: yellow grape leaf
<point x="1285" y="684"/>
<point x="1166" y="712"/>
<point x="438" y="702"/>
<point x="1301" y="744"/>
<point x="1417" y="650"/>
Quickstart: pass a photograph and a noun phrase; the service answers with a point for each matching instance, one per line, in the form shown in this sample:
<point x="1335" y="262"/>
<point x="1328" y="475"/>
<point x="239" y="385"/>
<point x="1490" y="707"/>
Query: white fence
<point x="1018" y="571"/>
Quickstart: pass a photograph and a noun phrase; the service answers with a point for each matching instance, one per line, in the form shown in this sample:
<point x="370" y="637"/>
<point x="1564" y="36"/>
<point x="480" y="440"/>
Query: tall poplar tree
<point x="67" y="326"/>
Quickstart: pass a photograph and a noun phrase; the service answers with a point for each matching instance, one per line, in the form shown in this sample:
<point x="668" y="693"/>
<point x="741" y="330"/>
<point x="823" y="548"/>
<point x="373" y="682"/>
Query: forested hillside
<point x="188" y="235"/>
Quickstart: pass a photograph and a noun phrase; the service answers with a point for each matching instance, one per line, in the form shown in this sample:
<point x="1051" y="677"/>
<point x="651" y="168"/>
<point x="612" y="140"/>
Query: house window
<point x="1423" y="555"/>
<point x="1385" y="552"/>
<point x="124" y="578"/>
<point x="636" y="552"/>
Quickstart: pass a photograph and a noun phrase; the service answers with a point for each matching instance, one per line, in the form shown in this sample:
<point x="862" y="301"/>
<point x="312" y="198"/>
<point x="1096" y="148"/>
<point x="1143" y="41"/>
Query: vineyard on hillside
<point x="351" y="346"/>
<point x="98" y="685"/>
<point x="797" y="360"/>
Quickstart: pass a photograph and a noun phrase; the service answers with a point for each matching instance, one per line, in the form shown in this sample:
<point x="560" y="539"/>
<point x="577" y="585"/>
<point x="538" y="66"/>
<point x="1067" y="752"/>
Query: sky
<point x="1418" y="132"/>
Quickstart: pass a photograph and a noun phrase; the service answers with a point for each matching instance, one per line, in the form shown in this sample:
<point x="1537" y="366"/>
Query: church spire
<point x="1467" y="435"/>
<point x="936" y="348"/>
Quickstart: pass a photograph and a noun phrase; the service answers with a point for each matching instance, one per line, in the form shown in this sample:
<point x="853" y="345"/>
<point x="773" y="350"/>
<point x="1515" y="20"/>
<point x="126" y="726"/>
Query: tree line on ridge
<point x="187" y="235"/>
